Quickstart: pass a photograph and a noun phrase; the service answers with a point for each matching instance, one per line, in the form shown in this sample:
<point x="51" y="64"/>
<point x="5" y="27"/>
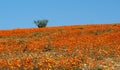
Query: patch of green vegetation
<point x="77" y="68"/>
<point x="98" y="68"/>
<point x="109" y="29"/>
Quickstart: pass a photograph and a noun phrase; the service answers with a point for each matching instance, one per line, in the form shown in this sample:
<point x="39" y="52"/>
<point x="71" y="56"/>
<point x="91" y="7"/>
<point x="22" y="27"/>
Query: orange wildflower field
<point x="77" y="47"/>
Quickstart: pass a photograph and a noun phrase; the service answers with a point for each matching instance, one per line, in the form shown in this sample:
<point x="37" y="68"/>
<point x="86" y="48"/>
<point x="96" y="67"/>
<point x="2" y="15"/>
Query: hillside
<point x="78" y="47"/>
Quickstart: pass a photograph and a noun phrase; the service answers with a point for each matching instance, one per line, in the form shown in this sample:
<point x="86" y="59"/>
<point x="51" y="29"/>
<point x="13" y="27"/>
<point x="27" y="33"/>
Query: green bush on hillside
<point x="41" y="23"/>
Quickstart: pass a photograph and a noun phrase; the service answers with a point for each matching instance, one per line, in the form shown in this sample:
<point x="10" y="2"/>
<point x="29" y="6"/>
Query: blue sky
<point x="21" y="13"/>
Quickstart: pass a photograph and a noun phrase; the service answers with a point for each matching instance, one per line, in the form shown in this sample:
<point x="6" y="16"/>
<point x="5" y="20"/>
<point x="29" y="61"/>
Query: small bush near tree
<point x="41" y="23"/>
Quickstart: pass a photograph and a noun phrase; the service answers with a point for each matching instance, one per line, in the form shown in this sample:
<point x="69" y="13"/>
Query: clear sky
<point x="21" y="13"/>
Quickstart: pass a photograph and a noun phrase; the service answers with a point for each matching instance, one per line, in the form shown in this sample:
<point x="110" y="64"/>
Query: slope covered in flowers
<point x="78" y="47"/>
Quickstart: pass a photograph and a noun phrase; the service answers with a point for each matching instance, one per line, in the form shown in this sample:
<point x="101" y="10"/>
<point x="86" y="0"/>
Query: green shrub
<point x="41" y="23"/>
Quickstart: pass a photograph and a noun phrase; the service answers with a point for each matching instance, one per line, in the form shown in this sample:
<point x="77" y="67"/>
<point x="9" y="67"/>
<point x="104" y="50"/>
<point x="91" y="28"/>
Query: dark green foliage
<point x="41" y="23"/>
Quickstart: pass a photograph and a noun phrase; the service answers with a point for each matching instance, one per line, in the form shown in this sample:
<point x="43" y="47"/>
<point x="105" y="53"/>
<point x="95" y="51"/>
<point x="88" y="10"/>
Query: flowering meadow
<point x="77" y="47"/>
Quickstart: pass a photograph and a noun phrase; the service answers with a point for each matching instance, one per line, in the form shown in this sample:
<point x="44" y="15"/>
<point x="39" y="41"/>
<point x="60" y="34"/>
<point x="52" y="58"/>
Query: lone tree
<point x="41" y="23"/>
